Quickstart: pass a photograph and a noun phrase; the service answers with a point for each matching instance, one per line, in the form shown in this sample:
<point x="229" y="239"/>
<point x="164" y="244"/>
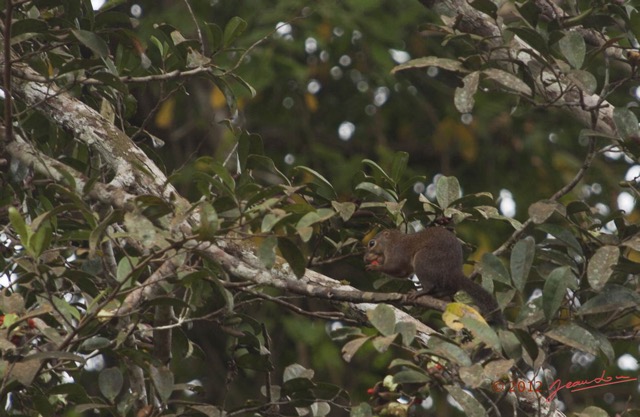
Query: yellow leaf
<point x="456" y="311"/>
<point x="216" y="99"/>
<point x="325" y="30"/>
<point x="451" y="135"/>
<point x="164" y="117"/>
<point x="634" y="256"/>
<point x="311" y="101"/>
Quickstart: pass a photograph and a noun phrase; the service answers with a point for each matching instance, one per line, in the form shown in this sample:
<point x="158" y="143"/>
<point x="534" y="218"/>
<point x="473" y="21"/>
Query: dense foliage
<point x="186" y="187"/>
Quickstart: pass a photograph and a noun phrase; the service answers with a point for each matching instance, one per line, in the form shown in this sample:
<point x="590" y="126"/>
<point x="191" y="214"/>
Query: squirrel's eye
<point x="372" y="243"/>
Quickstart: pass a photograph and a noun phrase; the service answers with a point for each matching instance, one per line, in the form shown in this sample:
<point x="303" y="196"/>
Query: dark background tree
<point x="171" y="169"/>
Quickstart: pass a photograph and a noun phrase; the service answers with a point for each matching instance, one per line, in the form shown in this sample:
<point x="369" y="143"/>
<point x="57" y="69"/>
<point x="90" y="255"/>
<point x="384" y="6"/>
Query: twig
<point x="8" y="132"/>
<point x="195" y="22"/>
<point x="586" y="164"/>
<point x="258" y="42"/>
<point x="267" y="377"/>
<point x="134" y="298"/>
<point x="324" y="315"/>
<point x="167" y="76"/>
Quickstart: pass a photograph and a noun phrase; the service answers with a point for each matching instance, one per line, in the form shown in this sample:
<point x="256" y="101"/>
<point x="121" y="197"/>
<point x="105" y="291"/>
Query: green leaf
<point x="487" y="7"/>
<point x="28" y="26"/>
<point x="532" y="37"/>
<point x="508" y="80"/>
<point x="483" y="332"/>
<point x="125" y="266"/>
<point x="605" y="346"/>
<point x="209" y="221"/>
<point x="585" y="80"/>
<point x="111" y="80"/>
<point x="404" y="363"/>
<point x="296" y="371"/>
<point x="314" y="217"/>
<point x="464" y="96"/>
<point x="255" y="161"/>
<point x="407" y="330"/>
<point x="110" y="382"/>
<point x="41" y="239"/>
<point x="92" y="41"/>
<point x="541" y="211"/>
<point x="345" y="210"/>
<point x="254" y="362"/>
<point x="343" y="333"/>
<point x="24" y="371"/>
<point x="563" y="235"/>
<point x="573" y="48"/>
<point x="510" y="344"/>
<point x="383" y="319"/>
<point x="383" y="343"/>
<point x="472" y="376"/>
<point x="19" y="225"/>
<point x="67" y="310"/>
<point x="95" y="238"/>
<point x="292" y="254"/>
<point x="470" y="406"/>
<point x="450" y="351"/>
<point x="522" y="256"/>
<point x="361" y="410"/>
<point x="267" y="251"/>
<point x="244" y="83"/>
<point x="8" y="320"/>
<point x="215" y="36"/>
<point x="320" y="408"/>
<point x="229" y="95"/>
<point x="498" y="369"/>
<point x="13" y="303"/>
<point x="577" y="337"/>
<point x="233" y="29"/>
<point x="221" y="172"/>
<point x="431" y="61"/>
<point x="626" y="122"/>
<point x="143" y="230"/>
<point x="319" y="180"/>
<point x="491" y="267"/>
<point x="601" y="266"/>
<point x="611" y="298"/>
<point x="350" y="348"/>
<point x="593" y="411"/>
<point x="378" y="172"/>
<point x="162" y="378"/>
<point x="94" y="343"/>
<point x="297" y="385"/>
<point x="447" y="191"/>
<point x="270" y="220"/>
<point x="303" y="227"/>
<point x="555" y="290"/>
<point x="384" y="193"/>
<point x="399" y="165"/>
<point x="411" y="377"/>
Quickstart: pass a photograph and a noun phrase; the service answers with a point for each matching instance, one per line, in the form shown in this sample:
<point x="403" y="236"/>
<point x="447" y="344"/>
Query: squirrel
<point x="435" y="256"/>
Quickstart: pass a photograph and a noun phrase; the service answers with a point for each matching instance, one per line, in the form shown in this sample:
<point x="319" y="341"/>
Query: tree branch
<point x="133" y="169"/>
<point x="459" y="16"/>
<point x="51" y="168"/>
